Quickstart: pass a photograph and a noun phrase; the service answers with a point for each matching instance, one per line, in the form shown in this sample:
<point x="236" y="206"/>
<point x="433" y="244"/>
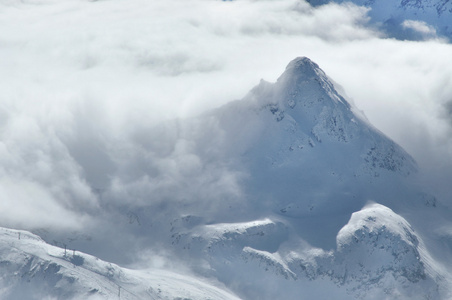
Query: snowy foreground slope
<point x="408" y="19"/>
<point x="32" y="269"/>
<point x="378" y="256"/>
<point x="288" y="193"/>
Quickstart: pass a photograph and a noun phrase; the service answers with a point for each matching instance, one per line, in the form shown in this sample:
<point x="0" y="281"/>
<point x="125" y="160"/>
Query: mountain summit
<point x="302" y="71"/>
<point x="299" y="132"/>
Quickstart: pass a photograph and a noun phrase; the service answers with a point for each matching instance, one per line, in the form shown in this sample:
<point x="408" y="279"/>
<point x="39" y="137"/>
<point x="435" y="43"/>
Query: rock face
<point x="408" y="19"/>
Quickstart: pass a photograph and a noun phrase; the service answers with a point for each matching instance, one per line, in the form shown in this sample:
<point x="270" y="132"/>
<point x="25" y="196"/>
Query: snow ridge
<point x="32" y="269"/>
<point x="378" y="255"/>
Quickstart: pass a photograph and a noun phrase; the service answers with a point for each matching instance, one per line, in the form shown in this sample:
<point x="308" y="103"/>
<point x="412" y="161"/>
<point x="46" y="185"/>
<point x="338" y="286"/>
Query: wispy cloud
<point x="420" y="27"/>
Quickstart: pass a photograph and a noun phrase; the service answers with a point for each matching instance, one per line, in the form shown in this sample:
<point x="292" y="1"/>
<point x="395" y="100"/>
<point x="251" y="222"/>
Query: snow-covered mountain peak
<point x="303" y="77"/>
<point x="305" y="97"/>
<point x="303" y="66"/>
<point x="385" y="246"/>
<point x="303" y="82"/>
<point x="301" y="122"/>
<point x="375" y="219"/>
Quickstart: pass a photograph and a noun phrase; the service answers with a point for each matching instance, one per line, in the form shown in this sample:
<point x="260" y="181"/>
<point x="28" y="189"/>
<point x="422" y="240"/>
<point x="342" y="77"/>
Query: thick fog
<point x="86" y="87"/>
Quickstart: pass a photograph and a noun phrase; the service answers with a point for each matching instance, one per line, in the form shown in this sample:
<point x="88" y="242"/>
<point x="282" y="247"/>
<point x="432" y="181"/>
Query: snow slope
<point x="32" y="269"/>
<point x="378" y="255"/>
<point x="408" y="19"/>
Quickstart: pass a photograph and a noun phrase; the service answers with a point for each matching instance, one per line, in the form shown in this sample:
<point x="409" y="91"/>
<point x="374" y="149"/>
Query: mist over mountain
<point x="129" y="171"/>
<point x="290" y="190"/>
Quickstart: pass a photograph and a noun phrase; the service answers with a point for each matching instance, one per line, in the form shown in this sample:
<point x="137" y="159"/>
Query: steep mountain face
<point x="268" y="195"/>
<point x="408" y="19"/>
<point x="297" y="145"/>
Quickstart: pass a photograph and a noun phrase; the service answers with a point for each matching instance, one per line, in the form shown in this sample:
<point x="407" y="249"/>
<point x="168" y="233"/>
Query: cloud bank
<point x="86" y="85"/>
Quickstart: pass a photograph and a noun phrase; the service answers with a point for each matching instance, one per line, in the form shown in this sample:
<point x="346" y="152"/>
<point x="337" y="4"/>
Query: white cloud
<point x="427" y="31"/>
<point x="84" y="83"/>
<point x="29" y="205"/>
